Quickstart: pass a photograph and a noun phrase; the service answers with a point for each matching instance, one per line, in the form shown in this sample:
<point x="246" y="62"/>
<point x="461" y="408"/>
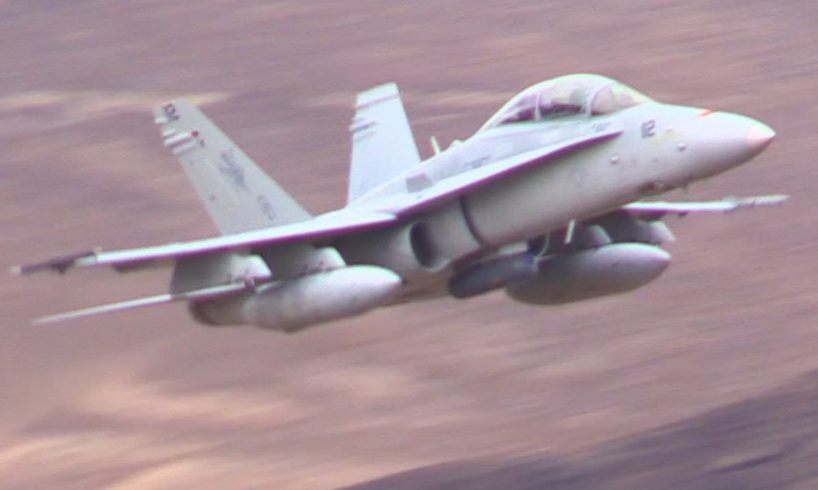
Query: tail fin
<point x="382" y="141"/>
<point x="237" y="194"/>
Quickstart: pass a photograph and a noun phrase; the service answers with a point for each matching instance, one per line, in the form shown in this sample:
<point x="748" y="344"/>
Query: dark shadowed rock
<point x="768" y="442"/>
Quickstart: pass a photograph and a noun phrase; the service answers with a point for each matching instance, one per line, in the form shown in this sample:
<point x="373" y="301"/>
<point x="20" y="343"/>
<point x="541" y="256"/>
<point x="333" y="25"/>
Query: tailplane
<point x="382" y="141"/>
<point x="237" y="194"/>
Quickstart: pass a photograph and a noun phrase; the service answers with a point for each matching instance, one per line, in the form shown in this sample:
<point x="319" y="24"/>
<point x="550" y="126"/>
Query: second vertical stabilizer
<point x="236" y="193"/>
<point x="382" y="141"/>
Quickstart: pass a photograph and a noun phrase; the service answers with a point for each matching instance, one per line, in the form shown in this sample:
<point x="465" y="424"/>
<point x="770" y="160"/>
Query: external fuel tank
<point x="295" y="304"/>
<point x="591" y="273"/>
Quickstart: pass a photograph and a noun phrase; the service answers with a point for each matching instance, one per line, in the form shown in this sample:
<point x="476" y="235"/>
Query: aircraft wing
<point x="325" y="226"/>
<point x="428" y="193"/>
<point x="376" y="213"/>
<point x="726" y="205"/>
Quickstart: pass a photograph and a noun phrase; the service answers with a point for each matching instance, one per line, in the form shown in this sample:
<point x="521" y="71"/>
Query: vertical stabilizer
<point x="237" y="194"/>
<point x="382" y="141"/>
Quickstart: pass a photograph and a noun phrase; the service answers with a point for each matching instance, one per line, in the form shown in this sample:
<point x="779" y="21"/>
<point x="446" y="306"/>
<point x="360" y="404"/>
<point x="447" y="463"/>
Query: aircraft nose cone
<point x="759" y="137"/>
<point x="723" y="140"/>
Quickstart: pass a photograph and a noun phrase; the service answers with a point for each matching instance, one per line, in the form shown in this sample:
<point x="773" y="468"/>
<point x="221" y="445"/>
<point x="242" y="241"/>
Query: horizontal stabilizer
<point x="199" y="294"/>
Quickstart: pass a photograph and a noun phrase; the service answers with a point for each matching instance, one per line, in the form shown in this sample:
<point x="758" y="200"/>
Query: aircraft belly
<point x="545" y="197"/>
<point x="419" y="250"/>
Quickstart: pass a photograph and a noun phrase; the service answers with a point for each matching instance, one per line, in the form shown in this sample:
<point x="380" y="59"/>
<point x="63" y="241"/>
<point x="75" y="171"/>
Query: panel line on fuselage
<point x="468" y="219"/>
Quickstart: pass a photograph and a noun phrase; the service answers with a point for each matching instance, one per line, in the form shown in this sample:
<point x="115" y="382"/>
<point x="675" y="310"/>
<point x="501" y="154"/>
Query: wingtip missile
<point x="770" y="200"/>
<point x="58" y="264"/>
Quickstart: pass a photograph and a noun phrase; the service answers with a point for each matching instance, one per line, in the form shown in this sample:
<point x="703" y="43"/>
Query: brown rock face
<point x="704" y="379"/>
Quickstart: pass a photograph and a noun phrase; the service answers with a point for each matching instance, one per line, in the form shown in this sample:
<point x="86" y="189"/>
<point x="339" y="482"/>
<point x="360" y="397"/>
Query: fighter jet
<point x="544" y="201"/>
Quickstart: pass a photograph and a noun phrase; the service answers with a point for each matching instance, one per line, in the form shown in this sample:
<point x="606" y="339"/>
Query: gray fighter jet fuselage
<point x="544" y="201"/>
<point x="583" y="157"/>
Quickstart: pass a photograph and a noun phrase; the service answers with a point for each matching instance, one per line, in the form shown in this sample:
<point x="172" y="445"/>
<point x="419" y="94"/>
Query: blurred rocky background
<point x="707" y="378"/>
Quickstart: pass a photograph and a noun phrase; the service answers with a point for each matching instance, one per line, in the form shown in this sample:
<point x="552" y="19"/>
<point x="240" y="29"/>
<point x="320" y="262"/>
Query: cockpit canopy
<point x="566" y="96"/>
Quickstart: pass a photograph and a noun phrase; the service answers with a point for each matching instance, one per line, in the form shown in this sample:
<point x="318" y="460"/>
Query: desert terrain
<point x="705" y="379"/>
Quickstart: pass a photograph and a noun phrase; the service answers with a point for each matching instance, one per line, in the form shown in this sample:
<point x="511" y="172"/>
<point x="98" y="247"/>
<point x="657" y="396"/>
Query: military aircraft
<point x="544" y="201"/>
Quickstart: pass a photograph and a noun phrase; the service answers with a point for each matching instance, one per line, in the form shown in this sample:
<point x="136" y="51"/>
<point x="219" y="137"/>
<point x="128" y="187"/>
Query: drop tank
<point x="298" y="303"/>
